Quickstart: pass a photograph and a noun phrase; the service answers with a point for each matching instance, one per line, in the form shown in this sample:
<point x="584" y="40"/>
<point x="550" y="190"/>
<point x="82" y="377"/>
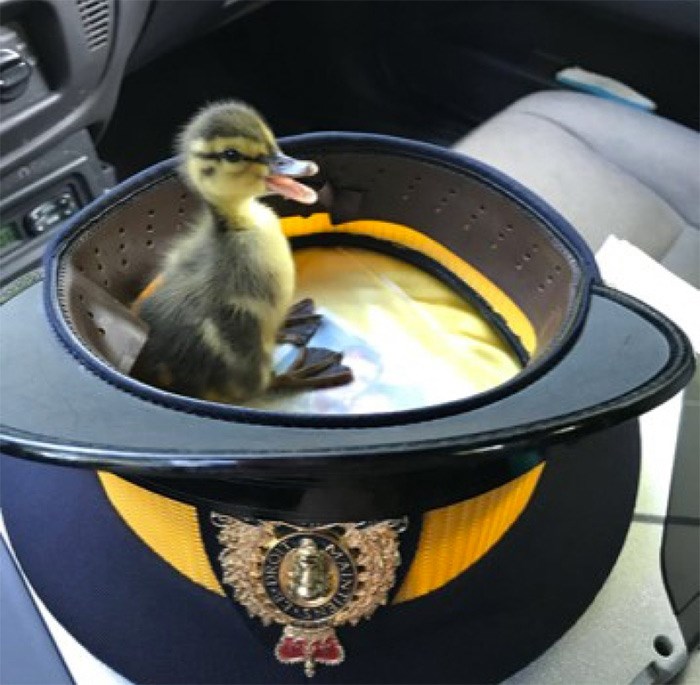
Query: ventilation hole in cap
<point x="105" y="283"/>
<point x="482" y="209"/>
<point x="151" y="212"/>
<point x="540" y="287"/>
<point x="183" y="196"/>
<point x="122" y="230"/>
<point x="452" y="191"/>
<point x="181" y="211"/>
<point x="97" y="250"/>
<point x="125" y="263"/>
<point x="509" y="228"/>
<point x="149" y="243"/>
<point x="101" y="330"/>
<point x="550" y="278"/>
<point x="535" y="247"/>
<point x="149" y="228"/>
<point x="663" y="645"/>
<point x="527" y="256"/>
<point x="100" y="267"/>
<point x="122" y="246"/>
<point x="557" y="268"/>
<point x="501" y="235"/>
<point x="90" y="314"/>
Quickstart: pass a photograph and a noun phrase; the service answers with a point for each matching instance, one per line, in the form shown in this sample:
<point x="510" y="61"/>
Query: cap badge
<point x="309" y="579"/>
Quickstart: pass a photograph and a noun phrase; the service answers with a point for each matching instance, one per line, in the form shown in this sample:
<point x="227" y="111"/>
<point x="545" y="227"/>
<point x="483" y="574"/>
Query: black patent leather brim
<point x="627" y="360"/>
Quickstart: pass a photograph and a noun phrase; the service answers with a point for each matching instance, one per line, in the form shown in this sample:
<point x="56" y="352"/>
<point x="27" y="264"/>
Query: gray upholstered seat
<point x="606" y="167"/>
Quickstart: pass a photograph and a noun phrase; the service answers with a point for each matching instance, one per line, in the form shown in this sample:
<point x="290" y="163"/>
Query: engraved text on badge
<point x="309" y="576"/>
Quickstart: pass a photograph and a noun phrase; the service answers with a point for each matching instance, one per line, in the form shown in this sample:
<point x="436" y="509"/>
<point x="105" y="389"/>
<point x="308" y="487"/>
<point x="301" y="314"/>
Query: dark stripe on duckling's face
<point x="227" y="125"/>
<point x="240" y="166"/>
<point x="233" y="156"/>
<point x="233" y="149"/>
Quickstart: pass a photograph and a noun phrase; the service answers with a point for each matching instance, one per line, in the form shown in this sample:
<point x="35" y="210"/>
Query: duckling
<point x="217" y="308"/>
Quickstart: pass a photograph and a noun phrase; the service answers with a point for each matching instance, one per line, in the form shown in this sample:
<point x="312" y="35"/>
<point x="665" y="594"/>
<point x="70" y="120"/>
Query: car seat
<point x="606" y="167"/>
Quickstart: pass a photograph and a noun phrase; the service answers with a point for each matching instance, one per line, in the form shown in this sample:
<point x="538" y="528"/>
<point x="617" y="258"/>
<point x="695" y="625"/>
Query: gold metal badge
<point x="310" y="579"/>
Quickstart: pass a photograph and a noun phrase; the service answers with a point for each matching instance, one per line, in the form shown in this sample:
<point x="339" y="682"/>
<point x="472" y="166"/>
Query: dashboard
<point x="62" y="63"/>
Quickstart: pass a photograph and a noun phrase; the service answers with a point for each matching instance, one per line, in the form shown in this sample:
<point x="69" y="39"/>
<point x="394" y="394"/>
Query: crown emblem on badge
<point x="309" y="579"/>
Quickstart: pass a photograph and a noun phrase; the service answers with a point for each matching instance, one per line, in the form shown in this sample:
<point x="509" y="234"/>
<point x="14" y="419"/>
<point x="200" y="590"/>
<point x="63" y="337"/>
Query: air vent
<point x="96" y="18"/>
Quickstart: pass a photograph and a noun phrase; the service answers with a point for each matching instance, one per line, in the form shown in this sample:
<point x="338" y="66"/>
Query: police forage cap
<point x="593" y="359"/>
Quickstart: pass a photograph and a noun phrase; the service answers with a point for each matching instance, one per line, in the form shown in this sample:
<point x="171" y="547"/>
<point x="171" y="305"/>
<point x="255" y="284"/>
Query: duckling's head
<point x="230" y="155"/>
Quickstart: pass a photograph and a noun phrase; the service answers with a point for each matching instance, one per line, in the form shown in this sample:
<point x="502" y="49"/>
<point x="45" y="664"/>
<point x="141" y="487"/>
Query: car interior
<point x="592" y="105"/>
<point x="94" y="91"/>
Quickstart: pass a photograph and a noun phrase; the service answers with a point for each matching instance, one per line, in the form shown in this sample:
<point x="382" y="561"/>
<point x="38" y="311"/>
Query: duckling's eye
<point x="231" y="155"/>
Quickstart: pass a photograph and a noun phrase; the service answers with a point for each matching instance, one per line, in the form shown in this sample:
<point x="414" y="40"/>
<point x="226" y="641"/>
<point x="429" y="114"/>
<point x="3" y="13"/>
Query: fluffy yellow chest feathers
<point x="270" y="246"/>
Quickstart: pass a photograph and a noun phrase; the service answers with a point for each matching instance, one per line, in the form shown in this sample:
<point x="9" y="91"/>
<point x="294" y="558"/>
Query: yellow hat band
<point x="452" y="538"/>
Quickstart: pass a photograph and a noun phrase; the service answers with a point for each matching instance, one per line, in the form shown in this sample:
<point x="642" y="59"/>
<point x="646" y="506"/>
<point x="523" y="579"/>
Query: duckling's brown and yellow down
<point x="227" y="285"/>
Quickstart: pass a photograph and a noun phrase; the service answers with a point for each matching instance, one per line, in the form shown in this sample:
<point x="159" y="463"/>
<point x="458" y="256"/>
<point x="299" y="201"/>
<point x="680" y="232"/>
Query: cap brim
<point x="626" y="360"/>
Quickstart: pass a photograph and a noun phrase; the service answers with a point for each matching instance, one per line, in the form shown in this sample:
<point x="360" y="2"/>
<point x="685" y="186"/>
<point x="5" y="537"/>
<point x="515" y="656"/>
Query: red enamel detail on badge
<point x="328" y="651"/>
<point x="290" y="650"/>
<point x="310" y="649"/>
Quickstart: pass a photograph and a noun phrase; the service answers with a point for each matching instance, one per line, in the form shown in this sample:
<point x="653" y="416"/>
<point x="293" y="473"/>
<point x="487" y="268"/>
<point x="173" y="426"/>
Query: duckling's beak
<point x="283" y="170"/>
